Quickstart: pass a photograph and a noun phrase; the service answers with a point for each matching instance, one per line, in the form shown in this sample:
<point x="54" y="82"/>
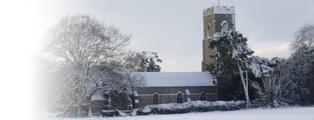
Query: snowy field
<point x="292" y="113"/>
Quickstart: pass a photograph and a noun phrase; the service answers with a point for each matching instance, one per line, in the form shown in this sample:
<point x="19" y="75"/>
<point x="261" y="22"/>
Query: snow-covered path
<point x="294" y="113"/>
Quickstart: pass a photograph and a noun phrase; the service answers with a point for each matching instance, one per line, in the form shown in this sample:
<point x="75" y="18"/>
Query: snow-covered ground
<point x="291" y="113"/>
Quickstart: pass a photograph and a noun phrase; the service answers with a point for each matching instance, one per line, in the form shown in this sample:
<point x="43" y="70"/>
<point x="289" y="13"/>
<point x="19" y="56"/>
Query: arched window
<point x="179" y="98"/>
<point x="155" y="98"/>
<point x="224" y="26"/>
<point x="203" y="96"/>
<point x="208" y="30"/>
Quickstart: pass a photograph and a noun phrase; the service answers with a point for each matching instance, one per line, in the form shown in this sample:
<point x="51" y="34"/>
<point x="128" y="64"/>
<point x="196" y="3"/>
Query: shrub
<point x="194" y="106"/>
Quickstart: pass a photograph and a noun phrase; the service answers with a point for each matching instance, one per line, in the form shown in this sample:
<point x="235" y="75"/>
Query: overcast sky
<point x="173" y="28"/>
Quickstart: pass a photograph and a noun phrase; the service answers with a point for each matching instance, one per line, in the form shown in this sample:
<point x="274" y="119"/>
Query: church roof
<point x="98" y="96"/>
<point x="165" y="79"/>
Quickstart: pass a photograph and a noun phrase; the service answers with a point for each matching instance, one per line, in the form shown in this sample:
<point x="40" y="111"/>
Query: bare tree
<point x="79" y="43"/>
<point x="303" y="37"/>
<point x="132" y="61"/>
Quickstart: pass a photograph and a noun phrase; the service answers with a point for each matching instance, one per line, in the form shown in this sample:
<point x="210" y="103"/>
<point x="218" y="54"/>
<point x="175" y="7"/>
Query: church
<point x="178" y="87"/>
<point x="175" y="87"/>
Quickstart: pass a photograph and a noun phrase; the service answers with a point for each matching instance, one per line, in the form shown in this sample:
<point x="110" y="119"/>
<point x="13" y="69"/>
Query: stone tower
<point x="215" y="19"/>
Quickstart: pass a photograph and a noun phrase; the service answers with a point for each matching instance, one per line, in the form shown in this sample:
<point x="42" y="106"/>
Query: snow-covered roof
<point x="187" y="91"/>
<point x="136" y="101"/>
<point x="164" y="79"/>
<point x="97" y="96"/>
<point x="135" y="93"/>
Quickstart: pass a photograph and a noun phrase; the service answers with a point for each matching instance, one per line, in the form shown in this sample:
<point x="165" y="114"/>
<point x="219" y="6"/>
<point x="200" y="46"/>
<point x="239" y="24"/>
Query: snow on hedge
<point x="194" y="106"/>
<point x="175" y="108"/>
<point x="112" y="113"/>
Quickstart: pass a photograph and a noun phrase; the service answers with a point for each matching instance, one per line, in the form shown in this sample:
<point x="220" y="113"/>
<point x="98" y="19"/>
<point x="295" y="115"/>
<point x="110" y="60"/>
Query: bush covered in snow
<point x="194" y="106"/>
<point x="112" y="113"/>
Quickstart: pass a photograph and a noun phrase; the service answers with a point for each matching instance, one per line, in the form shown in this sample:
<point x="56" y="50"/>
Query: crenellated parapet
<point x="219" y="10"/>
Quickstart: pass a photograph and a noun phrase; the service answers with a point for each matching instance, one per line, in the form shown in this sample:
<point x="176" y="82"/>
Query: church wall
<point x="169" y="94"/>
<point x="99" y="105"/>
<point x="207" y="52"/>
<point x="208" y="19"/>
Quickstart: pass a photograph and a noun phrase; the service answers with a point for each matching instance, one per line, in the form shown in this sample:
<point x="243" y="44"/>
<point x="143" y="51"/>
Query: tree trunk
<point x="89" y="110"/>
<point x="78" y="114"/>
<point x="244" y="87"/>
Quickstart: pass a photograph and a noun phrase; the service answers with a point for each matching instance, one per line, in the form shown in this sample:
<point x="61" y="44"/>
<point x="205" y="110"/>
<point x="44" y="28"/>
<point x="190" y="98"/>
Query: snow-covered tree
<point x="259" y="65"/>
<point x="301" y="69"/>
<point x="289" y="81"/>
<point x="301" y="65"/>
<point x="231" y="56"/>
<point x="273" y="81"/>
<point x="287" y="84"/>
<point x="79" y="43"/>
<point x="47" y="85"/>
<point x="131" y="81"/>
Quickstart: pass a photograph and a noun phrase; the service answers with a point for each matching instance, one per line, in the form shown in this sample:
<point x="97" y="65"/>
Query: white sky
<point x="173" y="28"/>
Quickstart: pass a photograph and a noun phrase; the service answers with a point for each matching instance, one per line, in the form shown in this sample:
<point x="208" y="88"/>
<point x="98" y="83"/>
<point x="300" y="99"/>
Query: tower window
<point x="208" y="30"/>
<point x="224" y="26"/>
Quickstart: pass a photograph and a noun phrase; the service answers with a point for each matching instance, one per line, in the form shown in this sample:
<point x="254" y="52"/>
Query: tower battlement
<point x="219" y="10"/>
<point x="215" y="20"/>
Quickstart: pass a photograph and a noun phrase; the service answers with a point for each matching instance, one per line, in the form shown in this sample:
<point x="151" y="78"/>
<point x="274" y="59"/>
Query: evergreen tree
<point x="148" y="63"/>
<point x="301" y="69"/>
<point x="301" y="66"/>
<point x="231" y="57"/>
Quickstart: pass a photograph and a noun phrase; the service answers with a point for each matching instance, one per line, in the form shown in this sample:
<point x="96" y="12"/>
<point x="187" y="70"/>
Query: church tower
<point x="215" y="19"/>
